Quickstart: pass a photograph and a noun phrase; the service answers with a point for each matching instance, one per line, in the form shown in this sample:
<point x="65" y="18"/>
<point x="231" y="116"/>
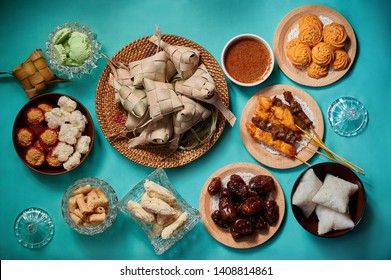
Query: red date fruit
<point x="270" y="211"/>
<point x="261" y="184"/>
<point x="224" y="192"/>
<point x="214" y="186"/>
<point x="242" y="226"/>
<point x="242" y="208"/>
<point x="251" y="206"/>
<point x="237" y="187"/>
<point x="258" y="222"/>
<point x="234" y="234"/>
<point x="217" y="218"/>
<point x="227" y="209"/>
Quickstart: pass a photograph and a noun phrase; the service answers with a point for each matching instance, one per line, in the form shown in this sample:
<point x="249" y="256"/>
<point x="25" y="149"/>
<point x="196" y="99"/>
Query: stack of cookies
<point x="318" y="48"/>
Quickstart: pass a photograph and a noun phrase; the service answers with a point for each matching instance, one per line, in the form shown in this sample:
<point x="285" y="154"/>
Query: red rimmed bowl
<point x="20" y="122"/>
<point x="357" y="201"/>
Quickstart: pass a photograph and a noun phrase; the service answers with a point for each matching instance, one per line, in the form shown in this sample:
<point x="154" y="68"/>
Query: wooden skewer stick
<point x="315" y="151"/>
<point x="320" y="140"/>
<point x="303" y="161"/>
<point x="331" y="158"/>
<point x="331" y="153"/>
<point x="339" y="157"/>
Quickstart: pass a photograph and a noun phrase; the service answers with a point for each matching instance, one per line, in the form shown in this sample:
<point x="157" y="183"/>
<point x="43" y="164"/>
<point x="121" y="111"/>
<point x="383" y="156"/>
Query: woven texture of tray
<point x="112" y="119"/>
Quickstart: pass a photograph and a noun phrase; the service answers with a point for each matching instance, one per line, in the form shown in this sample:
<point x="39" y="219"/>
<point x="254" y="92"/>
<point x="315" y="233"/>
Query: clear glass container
<point x="74" y="71"/>
<point x="112" y="208"/>
<point x="34" y="228"/>
<point x="159" y="244"/>
<point x="347" y="116"/>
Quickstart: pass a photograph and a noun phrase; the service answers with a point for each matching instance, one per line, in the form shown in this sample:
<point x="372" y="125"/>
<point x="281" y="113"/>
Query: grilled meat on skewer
<point x="276" y="130"/>
<point x="297" y="110"/>
<point x="284" y="115"/>
<point x="300" y="123"/>
<point x="277" y="101"/>
<point x="267" y="138"/>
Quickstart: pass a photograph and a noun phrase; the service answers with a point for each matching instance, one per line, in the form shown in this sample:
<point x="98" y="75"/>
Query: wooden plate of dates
<point x="242" y="205"/>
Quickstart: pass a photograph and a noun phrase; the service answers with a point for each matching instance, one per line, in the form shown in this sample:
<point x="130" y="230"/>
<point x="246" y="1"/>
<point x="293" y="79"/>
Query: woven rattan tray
<point x="111" y="118"/>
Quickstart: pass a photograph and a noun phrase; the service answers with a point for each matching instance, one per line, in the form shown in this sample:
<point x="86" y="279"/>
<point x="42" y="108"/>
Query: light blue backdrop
<point x="24" y="26"/>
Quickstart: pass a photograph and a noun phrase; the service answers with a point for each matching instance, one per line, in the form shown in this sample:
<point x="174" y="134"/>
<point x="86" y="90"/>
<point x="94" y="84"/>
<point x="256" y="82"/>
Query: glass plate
<point x="160" y="245"/>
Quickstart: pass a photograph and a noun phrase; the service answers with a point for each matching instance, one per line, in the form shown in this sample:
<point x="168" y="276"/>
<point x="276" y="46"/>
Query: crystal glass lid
<point x="347" y="116"/>
<point x="34" y="228"/>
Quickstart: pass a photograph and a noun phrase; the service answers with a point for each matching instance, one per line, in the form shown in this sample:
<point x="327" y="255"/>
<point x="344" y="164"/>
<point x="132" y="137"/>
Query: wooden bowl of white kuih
<point x="356" y="204"/>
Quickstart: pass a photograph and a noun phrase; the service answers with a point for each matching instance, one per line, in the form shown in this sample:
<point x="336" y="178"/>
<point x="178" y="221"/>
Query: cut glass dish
<point x="112" y="208"/>
<point x="159" y="244"/>
<point x="34" y="228"/>
<point x="347" y="116"/>
<point x="74" y="71"/>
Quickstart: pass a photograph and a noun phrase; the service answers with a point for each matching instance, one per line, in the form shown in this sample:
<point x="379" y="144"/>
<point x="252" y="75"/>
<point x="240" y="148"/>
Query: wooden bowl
<point x="20" y="122"/>
<point x="357" y="201"/>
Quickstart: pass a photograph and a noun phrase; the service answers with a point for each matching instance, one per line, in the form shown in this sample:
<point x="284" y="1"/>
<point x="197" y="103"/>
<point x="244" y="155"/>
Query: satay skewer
<point x="303" y="161"/>
<point x="332" y="158"/>
<point x="332" y="154"/>
<point x="297" y="110"/>
<point x="268" y="106"/>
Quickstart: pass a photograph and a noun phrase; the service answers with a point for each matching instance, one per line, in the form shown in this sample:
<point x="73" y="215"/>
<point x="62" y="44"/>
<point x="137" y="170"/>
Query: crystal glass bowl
<point x="111" y="212"/>
<point x="74" y="71"/>
<point x="160" y="245"/>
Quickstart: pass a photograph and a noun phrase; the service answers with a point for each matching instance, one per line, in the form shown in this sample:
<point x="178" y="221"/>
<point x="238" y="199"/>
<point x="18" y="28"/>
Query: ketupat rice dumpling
<point x="157" y="132"/>
<point x="153" y="68"/>
<point x="163" y="95"/>
<point x="162" y="99"/>
<point x="185" y="59"/>
<point x="201" y="86"/>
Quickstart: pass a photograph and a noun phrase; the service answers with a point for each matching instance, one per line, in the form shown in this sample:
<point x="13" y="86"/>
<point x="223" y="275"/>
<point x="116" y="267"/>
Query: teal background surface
<point x="25" y="25"/>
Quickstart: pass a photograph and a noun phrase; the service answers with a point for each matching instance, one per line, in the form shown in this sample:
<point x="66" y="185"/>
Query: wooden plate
<point x="256" y="149"/>
<point x="288" y="23"/>
<point x="223" y="236"/>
